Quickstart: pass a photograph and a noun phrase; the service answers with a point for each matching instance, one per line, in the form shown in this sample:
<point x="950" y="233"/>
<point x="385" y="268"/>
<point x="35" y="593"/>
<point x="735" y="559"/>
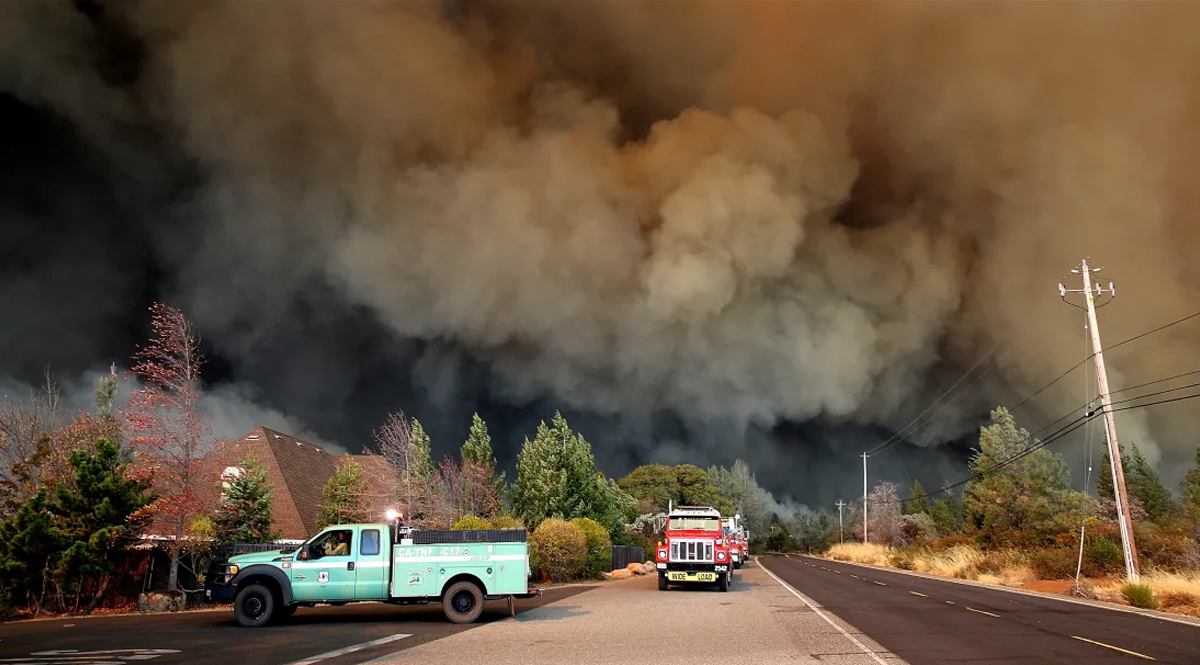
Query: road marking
<point x="972" y="609"/>
<point x="76" y="657"/>
<point x="350" y="649"/>
<point x="823" y="616"/>
<point x="918" y="594"/>
<point x="856" y="577"/>
<point x="879" y="583"/>
<point x="949" y="602"/>
<point x="1109" y="646"/>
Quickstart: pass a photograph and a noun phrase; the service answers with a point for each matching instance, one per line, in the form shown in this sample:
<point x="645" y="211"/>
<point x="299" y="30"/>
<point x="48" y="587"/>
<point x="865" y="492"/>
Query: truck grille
<point x="692" y="550"/>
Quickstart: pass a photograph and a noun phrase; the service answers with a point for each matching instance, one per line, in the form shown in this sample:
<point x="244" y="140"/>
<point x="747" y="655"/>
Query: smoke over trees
<point x="688" y="222"/>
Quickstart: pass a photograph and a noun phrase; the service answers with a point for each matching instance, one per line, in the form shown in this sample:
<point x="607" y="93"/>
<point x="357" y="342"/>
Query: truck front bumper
<point x="220" y="593"/>
<point x="692" y="572"/>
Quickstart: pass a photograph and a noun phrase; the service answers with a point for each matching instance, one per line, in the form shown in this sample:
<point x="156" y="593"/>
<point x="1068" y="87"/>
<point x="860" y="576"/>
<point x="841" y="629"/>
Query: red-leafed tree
<point x="166" y="429"/>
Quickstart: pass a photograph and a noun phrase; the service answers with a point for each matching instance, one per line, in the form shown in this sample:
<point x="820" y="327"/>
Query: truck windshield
<point x="694" y="524"/>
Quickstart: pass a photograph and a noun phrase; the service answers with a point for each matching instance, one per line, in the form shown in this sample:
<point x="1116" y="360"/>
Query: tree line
<point x="1020" y="497"/>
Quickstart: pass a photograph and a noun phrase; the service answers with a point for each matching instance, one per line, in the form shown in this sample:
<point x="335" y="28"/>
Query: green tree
<point x="696" y="489"/>
<point x="1141" y="482"/>
<point x="99" y="516"/>
<point x="1190" y="488"/>
<point x="244" y="515"/>
<point x="478" y="448"/>
<point x="29" y="544"/>
<point x="1028" y="500"/>
<point x="653" y="485"/>
<point x="556" y="477"/>
<point x="813" y="532"/>
<point x="918" y="500"/>
<point x="346" y="496"/>
<point x="738" y="486"/>
<point x="947" y="512"/>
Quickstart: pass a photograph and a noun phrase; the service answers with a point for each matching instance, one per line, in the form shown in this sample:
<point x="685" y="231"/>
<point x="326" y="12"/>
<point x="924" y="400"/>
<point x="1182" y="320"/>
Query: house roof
<point x="297" y="470"/>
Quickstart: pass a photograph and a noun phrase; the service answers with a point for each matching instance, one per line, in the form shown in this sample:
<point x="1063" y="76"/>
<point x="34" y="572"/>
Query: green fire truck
<point x="383" y="562"/>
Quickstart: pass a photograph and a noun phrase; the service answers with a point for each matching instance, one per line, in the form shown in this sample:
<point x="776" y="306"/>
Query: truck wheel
<point x="662" y="581"/>
<point x="723" y="582"/>
<point x="254" y="606"/>
<point x="463" y="602"/>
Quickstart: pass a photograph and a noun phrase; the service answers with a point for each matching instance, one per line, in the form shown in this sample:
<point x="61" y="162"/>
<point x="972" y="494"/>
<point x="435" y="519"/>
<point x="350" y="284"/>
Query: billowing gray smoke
<point x="735" y="213"/>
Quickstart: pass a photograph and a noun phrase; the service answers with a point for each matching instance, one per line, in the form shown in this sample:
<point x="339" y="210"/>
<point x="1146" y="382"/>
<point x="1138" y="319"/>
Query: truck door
<point x="324" y="570"/>
<point x="372" y="566"/>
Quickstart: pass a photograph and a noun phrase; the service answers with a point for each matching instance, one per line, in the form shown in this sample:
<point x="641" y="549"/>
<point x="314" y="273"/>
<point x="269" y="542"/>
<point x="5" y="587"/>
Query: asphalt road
<point x="212" y="637"/>
<point x="926" y="621"/>
<point x="756" y="622"/>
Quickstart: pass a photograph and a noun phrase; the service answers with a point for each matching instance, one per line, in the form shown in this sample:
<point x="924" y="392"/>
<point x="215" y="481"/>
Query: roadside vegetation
<point x="1021" y="526"/>
<point x="79" y="491"/>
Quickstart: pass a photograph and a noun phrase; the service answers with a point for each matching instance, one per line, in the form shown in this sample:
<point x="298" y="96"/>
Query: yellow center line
<point x="856" y="577"/>
<point x="1109" y="646"/>
<point x="949" y="602"/>
<point x="879" y="583"/>
<point x="918" y="594"/>
<point x="972" y="609"/>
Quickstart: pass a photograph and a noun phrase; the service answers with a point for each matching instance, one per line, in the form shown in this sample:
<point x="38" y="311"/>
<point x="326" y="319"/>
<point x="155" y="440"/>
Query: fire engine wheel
<point x="463" y="602"/>
<point x="723" y="582"/>
<point x="254" y="606"/>
<point x="662" y="581"/>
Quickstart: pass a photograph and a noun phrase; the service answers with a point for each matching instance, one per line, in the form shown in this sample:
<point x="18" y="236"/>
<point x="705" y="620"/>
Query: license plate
<point x="692" y="577"/>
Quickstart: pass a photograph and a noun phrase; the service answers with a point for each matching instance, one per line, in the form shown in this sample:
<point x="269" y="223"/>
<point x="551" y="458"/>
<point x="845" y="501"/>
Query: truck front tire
<point x="723" y="582"/>
<point x="463" y="602"/>
<point x="254" y="606"/>
<point x="662" y="580"/>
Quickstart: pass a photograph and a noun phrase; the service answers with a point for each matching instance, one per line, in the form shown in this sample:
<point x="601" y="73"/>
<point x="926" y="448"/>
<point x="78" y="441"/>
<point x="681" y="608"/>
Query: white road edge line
<point x="821" y="614"/>
<point x="1109" y="646"/>
<point x="350" y="649"/>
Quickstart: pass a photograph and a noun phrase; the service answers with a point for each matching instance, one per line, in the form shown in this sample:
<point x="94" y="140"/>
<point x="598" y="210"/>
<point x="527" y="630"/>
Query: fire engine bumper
<point x="693" y="572"/>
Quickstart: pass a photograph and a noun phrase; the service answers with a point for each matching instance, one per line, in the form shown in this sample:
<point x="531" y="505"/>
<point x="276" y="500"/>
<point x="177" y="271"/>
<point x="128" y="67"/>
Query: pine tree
<point x="1191" y="494"/>
<point x="1024" y="502"/>
<point x="1144" y="483"/>
<point x="918" y="500"/>
<point x="346" y="496"/>
<point x="556" y="477"/>
<point x="477" y="449"/>
<point x="29" y="543"/>
<point x="244" y="515"/>
<point x="99" y="516"/>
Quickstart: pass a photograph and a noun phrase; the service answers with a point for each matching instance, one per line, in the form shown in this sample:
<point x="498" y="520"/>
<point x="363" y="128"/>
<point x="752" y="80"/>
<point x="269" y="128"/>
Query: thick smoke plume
<point x="737" y="214"/>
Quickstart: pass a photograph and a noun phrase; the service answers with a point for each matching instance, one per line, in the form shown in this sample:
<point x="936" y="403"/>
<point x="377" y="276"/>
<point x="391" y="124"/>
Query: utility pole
<point x="841" y="533"/>
<point x="1110" y="424"/>
<point x="864" y="456"/>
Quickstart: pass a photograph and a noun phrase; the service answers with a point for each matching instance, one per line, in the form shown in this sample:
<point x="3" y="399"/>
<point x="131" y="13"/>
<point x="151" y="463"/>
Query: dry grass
<point x="958" y="561"/>
<point x="1176" y="592"/>
<point x="867" y="553"/>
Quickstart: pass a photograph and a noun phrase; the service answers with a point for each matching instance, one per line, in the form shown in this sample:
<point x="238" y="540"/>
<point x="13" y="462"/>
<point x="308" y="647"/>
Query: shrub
<point x="599" y="546"/>
<point x="558" y="549"/>
<point x="470" y="523"/>
<point x="951" y="541"/>
<point x="1102" y="557"/>
<point x="1053" y="564"/>
<point x="1165" y="548"/>
<point x="1140" y="595"/>
<point x="507" y="522"/>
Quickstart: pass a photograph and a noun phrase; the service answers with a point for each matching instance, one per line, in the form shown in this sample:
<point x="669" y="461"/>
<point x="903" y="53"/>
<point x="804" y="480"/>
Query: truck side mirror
<point x="303" y="553"/>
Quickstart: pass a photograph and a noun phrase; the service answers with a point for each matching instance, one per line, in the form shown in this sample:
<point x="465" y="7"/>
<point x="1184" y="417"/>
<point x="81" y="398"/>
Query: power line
<point x="1074" y="367"/>
<point x="1150" y="383"/>
<point x="1160" y="392"/>
<point x="1059" y="434"/>
<point x="895" y="438"/>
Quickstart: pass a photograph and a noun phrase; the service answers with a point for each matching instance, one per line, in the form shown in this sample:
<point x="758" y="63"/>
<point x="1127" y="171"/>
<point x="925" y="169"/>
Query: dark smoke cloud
<point x="704" y="229"/>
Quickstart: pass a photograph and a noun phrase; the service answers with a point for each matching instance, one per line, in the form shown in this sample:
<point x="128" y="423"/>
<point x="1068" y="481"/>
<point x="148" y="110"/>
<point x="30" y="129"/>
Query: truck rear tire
<point x="463" y="602"/>
<point x="254" y="606"/>
<point x="662" y="581"/>
<point x="723" y="582"/>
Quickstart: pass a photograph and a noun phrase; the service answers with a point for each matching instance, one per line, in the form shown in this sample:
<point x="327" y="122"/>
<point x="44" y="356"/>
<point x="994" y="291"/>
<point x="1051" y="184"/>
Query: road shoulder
<point x="1104" y="605"/>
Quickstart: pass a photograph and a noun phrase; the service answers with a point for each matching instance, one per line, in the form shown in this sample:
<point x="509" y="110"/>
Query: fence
<point x="623" y="555"/>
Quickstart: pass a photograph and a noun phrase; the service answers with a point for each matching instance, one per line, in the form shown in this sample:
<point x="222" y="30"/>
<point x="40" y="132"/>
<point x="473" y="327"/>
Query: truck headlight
<point x="662" y="554"/>
<point x="720" y="556"/>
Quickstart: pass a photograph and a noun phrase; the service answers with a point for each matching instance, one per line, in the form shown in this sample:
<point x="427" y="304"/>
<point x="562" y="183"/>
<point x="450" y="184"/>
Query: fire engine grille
<point x="692" y="550"/>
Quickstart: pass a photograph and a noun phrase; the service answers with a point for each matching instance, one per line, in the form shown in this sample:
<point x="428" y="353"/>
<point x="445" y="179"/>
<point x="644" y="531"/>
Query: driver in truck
<point x="341" y="549"/>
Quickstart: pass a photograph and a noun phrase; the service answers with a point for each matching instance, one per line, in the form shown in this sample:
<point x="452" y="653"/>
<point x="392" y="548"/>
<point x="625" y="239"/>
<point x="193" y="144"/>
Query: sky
<point x="775" y="231"/>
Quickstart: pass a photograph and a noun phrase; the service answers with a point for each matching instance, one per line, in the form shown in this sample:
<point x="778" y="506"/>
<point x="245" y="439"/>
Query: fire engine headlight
<point x="662" y="554"/>
<point x="720" y="556"/>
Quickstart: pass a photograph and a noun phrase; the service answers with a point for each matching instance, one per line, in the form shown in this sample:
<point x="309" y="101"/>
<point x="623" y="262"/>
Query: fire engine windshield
<point x="694" y="524"/>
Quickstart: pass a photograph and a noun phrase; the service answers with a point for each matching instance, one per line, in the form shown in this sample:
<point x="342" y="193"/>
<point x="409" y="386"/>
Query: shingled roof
<point x="297" y="470"/>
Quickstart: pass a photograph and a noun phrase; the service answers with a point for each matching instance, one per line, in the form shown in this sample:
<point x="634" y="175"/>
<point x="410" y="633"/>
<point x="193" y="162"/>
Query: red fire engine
<point x="695" y="548"/>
